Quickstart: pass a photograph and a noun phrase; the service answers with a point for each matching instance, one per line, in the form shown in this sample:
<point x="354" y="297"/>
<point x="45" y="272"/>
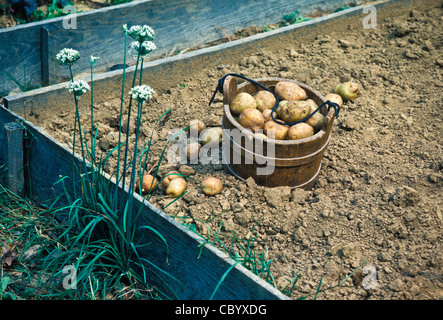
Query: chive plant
<point x="103" y="248"/>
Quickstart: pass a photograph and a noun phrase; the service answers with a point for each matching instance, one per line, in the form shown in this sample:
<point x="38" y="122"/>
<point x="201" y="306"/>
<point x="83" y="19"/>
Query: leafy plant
<point x="115" y="2"/>
<point x="53" y="11"/>
<point x="294" y="17"/>
<point x="24" y="86"/>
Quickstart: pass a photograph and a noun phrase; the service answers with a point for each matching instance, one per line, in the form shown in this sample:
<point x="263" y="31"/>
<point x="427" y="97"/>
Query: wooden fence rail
<point x="179" y="24"/>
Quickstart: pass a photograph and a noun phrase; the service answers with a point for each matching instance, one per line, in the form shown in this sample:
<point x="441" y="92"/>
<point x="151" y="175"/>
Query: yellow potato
<point x="212" y="136"/>
<point x="300" y="131"/>
<point x="197" y="125"/>
<point x="267" y="114"/>
<point x="148" y="184"/>
<point x="348" y="90"/>
<point x="265" y="100"/>
<point x="275" y="130"/>
<point x="193" y="150"/>
<point x="293" y="111"/>
<point x="176" y="187"/>
<point x="316" y="121"/>
<point x="169" y="177"/>
<point x="290" y="91"/>
<point x="333" y="97"/>
<point x="251" y="119"/>
<point x="242" y="101"/>
<point x="312" y="104"/>
<point x="212" y="186"/>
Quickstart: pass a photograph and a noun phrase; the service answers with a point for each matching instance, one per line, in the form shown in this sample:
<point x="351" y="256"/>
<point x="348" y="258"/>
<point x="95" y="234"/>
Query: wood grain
<point x="179" y="25"/>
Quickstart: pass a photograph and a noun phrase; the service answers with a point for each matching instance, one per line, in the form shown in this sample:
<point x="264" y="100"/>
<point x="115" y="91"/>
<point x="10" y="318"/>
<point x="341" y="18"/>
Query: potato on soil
<point x="290" y="91"/>
<point x="169" y="177"/>
<point x="212" y="136"/>
<point x="242" y="101"/>
<point x="251" y="119"/>
<point x="148" y="184"/>
<point x="193" y="150"/>
<point x="212" y="186"/>
<point x="333" y="97"/>
<point x="348" y="90"/>
<point x="275" y="130"/>
<point x="300" y="131"/>
<point x="176" y="187"/>
<point x="198" y="125"/>
<point x="294" y="111"/>
<point x="265" y="100"/>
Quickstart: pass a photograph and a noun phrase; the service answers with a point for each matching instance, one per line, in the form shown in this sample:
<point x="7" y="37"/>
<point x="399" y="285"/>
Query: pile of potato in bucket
<point x="254" y="110"/>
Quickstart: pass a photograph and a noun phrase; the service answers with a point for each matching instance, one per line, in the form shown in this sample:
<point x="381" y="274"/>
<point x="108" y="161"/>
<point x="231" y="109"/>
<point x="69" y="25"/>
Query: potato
<point x="290" y="91"/>
<point x="294" y="111"/>
<point x="197" y="125"/>
<point x="242" y="101"/>
<point x="312" y="104"/>
<point x="176" y="187"/>
<point x="333" y="97"/>
<point x="260" y="135"/>
<point x="251" y="119"/>
<point x="348" y="91"/>
<point x="212" y="186"/>
<point x="280" y="107"/>
<point x="316" y="121"/>
<point x="212" y="136"/>
<point x="169" y="177"/>
<point x="265" y="100"/>
<point x="300" y="131"/>
<point x="148" y="184"/>
<point x="267" y="114"/>
<point x="275" y="130"/>
<point x="193" y="150"/>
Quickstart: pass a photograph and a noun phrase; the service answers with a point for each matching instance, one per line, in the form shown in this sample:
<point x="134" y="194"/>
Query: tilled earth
<point x="378" y="197"/>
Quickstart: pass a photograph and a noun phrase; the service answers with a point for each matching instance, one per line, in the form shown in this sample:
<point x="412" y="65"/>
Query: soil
<point x="377" y="200"/>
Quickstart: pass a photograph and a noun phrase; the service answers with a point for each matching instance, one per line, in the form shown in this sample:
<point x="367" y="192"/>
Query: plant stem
<point x="120" y="125"/>
<point x="128" y="124"/>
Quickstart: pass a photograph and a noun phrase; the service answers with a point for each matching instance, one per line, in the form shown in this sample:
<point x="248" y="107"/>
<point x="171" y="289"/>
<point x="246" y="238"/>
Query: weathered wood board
<point x="198" y="271"/>
<point x="179" y="24"/>
<point x="168" y="72"/>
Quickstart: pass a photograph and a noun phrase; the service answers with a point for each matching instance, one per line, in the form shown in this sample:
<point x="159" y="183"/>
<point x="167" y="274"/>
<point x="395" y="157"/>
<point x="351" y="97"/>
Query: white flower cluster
<point x="143" y="48"/>
<point x="94" y="59"/>
<point x="140" y="33"/>
<point x="142" y="93"/>
<point x="67" y="56"/>
<point x="78" y="87"/>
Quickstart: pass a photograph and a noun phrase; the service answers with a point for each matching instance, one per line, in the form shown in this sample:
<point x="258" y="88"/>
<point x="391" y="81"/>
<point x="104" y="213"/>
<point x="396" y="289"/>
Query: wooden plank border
<point x="198" y="270"/>
<point x="179" y="24"/>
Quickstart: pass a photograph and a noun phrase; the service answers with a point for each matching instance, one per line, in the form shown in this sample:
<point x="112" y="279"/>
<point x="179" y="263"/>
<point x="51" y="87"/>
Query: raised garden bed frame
<point x="198" y="271"/>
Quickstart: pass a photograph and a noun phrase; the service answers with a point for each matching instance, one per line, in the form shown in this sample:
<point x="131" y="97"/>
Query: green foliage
<point x="345" y="7"/>
<point x="115" y="2"/>
<point x="24" y="86"/>
<point x="53" y="11"/>
<point x="294" y="17"/>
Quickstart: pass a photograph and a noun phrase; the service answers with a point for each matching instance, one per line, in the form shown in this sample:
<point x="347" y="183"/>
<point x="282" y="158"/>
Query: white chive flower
<point x="142" y="93"/>
<point x="143" y="48"/>
<point x="67" y="57"/>
<point x="78" y="87"/>
<point x="140" y="33"/>
<point x="94" y="59"/>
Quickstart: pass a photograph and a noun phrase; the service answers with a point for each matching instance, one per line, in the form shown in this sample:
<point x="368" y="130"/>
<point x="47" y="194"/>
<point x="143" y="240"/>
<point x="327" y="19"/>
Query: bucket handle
<point x="221" y="82"/>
